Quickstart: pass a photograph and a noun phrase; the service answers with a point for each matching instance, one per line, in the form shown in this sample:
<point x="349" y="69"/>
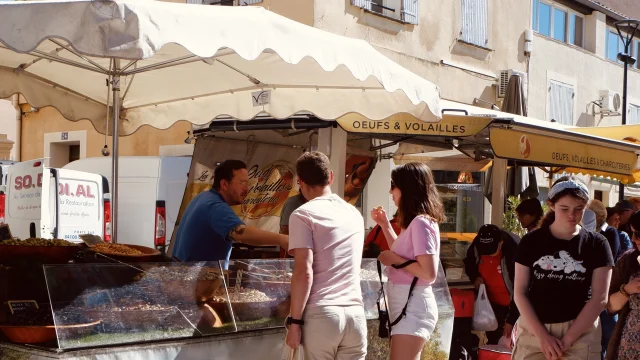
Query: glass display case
<point x="95" y="305"/>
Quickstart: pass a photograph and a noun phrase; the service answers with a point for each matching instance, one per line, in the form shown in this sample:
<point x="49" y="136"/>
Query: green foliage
<point x="511" y="222"/>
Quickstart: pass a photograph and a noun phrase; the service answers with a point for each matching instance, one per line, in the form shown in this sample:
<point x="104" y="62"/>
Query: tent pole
<point x="114" y="155"/>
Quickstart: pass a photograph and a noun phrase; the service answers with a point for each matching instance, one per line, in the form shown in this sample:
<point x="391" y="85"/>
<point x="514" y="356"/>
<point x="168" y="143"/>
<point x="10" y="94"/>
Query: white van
<point x="150" y="191"/>
<point x="53" y="203"/>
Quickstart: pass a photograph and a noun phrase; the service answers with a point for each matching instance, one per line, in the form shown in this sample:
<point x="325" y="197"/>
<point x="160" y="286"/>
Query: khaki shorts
<point x="587" y="347"/>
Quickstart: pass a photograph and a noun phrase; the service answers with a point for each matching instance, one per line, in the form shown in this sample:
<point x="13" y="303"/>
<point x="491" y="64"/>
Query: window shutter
<point x="633" y="114"/>
<point x="198" y="2"/>
<point x="561" y="103"/>
<point x="365" y="4"/>
<point x="410" y="11"/>
<point x="248" y="2"/>
<point x="474" y="22"/>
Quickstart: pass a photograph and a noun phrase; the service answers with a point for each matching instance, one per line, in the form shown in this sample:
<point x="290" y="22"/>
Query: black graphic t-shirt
<point x="561" y="271"/>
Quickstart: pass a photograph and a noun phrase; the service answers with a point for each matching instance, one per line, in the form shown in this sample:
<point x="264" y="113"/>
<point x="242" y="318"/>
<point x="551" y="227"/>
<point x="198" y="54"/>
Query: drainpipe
<point x="15" y="101"/>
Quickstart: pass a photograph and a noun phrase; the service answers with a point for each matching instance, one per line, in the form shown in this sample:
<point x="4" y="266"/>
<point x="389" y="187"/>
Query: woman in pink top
<point x="419" y="212"/>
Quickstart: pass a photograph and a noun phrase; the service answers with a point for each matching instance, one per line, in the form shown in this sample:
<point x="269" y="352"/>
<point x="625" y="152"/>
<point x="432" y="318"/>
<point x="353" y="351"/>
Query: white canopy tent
<point x="155" y="63"/>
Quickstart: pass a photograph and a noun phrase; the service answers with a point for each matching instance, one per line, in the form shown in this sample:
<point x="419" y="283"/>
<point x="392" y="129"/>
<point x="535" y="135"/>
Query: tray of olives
<point x="45" y="251"/>
<point x="126" y="253"/>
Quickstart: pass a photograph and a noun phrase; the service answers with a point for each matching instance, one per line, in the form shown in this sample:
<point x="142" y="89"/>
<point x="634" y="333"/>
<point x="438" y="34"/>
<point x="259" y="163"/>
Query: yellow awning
<point x="620" y="133"/>
<point x="588" y="155"/>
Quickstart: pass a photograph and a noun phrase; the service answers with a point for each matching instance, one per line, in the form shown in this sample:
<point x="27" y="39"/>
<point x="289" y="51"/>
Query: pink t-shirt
<point x="334" y="230"/>
<point x="420" y="238"/>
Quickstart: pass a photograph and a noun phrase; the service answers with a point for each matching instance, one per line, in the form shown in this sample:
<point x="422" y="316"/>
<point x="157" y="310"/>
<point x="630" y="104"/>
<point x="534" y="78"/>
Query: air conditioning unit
<point x="503" y="81"/>
<point x="610" y="101"/>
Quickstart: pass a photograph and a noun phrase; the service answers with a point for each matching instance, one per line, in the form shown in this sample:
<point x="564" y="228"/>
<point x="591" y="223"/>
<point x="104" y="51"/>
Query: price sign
<point x="22" y="305"/>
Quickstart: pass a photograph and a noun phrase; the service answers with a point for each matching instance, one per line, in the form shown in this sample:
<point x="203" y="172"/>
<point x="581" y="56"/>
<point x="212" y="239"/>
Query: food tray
<point x="129" y="320"/>
<point x="245" y="311"/>
<point x="42" y="334"/>
<point x="10" y="254"/>
<point x="148" y="254"/>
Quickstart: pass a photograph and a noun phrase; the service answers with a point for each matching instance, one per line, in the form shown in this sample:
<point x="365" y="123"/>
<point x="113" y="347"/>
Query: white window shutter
<point x="248" y="2"/>
<point x="561" y="103"/>
<point x="410" y="11"/>
<point x="633" y="114"/>
<point x="365" y="4"/>
<point x="197" y="2"/>
<point x="475" y="22"/>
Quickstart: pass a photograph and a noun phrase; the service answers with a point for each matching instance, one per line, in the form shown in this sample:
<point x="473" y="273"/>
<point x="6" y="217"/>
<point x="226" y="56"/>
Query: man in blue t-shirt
<point x="209" y="226"/>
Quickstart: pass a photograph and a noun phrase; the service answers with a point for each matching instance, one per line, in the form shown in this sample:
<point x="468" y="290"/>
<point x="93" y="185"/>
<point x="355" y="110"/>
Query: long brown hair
<point x="550" y="216"/>
<point x="419" y="193"/>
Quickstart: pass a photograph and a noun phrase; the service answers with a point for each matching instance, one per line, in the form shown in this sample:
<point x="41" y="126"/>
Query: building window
<point x="576" y="30"/>
<point x="544" y="23"/>
<point x="636" y="46"/>
<point x="561" y="102"/>
<point x="475" y="22"/>
<point x="402" y="10"/>
<point x="559" y="25"/>
<point x="597" y="195"/>
<point x="614" y="45"/>
<point x="558" y="22"/>
<point x="633" y="114"/>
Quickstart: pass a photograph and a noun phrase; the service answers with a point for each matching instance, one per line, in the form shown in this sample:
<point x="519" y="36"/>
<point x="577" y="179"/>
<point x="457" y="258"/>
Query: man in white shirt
<point x="326" y="240"/>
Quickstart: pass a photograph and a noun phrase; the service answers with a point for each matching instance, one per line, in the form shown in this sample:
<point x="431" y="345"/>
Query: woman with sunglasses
<point x="624" y="300"/>
<point x="562" y="281"/>
<point x="419" y="212"/>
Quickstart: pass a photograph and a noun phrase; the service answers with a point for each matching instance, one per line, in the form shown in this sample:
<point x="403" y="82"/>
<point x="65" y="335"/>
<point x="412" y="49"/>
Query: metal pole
<point x="624" y="110"/>
<point x="114" y="154"/>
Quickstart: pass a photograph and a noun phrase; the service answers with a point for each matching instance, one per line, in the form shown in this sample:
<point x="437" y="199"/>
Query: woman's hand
<point x="551" y="346"/>
<point x="633" y="287"/>
<point x="388" y="258"/>
<point x="379" y="216"/>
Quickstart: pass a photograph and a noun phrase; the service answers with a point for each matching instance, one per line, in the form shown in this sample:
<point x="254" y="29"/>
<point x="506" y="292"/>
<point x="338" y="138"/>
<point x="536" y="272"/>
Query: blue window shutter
<point x="410" y="11"/>
<point x="475" y="22"/>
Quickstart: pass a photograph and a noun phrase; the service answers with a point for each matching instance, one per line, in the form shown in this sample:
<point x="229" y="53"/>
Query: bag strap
<point x="413" y="285"/>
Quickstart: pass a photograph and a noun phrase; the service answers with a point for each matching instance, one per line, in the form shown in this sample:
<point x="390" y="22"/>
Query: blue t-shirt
<point x="203" y="233"/>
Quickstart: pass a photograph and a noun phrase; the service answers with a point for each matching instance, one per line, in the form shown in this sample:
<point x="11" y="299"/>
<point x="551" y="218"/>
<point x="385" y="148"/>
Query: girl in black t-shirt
<point x="561" y="281"/>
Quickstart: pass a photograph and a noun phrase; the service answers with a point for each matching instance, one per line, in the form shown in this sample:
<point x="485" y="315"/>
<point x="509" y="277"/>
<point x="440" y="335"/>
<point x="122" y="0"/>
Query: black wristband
<point x="291" y="320"/>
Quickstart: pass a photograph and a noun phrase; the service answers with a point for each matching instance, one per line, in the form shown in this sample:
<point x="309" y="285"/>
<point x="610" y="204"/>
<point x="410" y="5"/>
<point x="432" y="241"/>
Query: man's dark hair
<point x="530" y="207"/>
<point x="314" y="169"/>
<point x="225" y="170"/>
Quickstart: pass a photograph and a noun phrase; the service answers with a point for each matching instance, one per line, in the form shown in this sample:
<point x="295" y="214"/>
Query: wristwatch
<point x="291" y="320"/>
<point x="623" y="291"/>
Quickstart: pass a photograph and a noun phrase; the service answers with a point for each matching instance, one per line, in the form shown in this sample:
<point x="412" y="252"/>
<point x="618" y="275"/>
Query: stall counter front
<point x="179" y="310"/>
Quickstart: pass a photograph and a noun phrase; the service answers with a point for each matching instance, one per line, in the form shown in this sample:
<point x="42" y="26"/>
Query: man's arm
<point x="256" y="237"/>
<point x="301" y="280"/>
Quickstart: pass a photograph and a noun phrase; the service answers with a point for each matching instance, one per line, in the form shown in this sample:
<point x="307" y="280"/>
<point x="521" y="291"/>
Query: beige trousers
<point x="334" y="332"/>
<point x="587" y="347"/>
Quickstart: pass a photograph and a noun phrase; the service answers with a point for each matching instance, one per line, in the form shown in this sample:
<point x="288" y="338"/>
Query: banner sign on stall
<point x="451" y="125"/>
<point x="272" y="177"/>
<point x="358" y="170"/>
<point x="518" y="145"/>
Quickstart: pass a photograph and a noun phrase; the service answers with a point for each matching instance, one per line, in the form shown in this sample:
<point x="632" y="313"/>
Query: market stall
<point x="207" y="61"/>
